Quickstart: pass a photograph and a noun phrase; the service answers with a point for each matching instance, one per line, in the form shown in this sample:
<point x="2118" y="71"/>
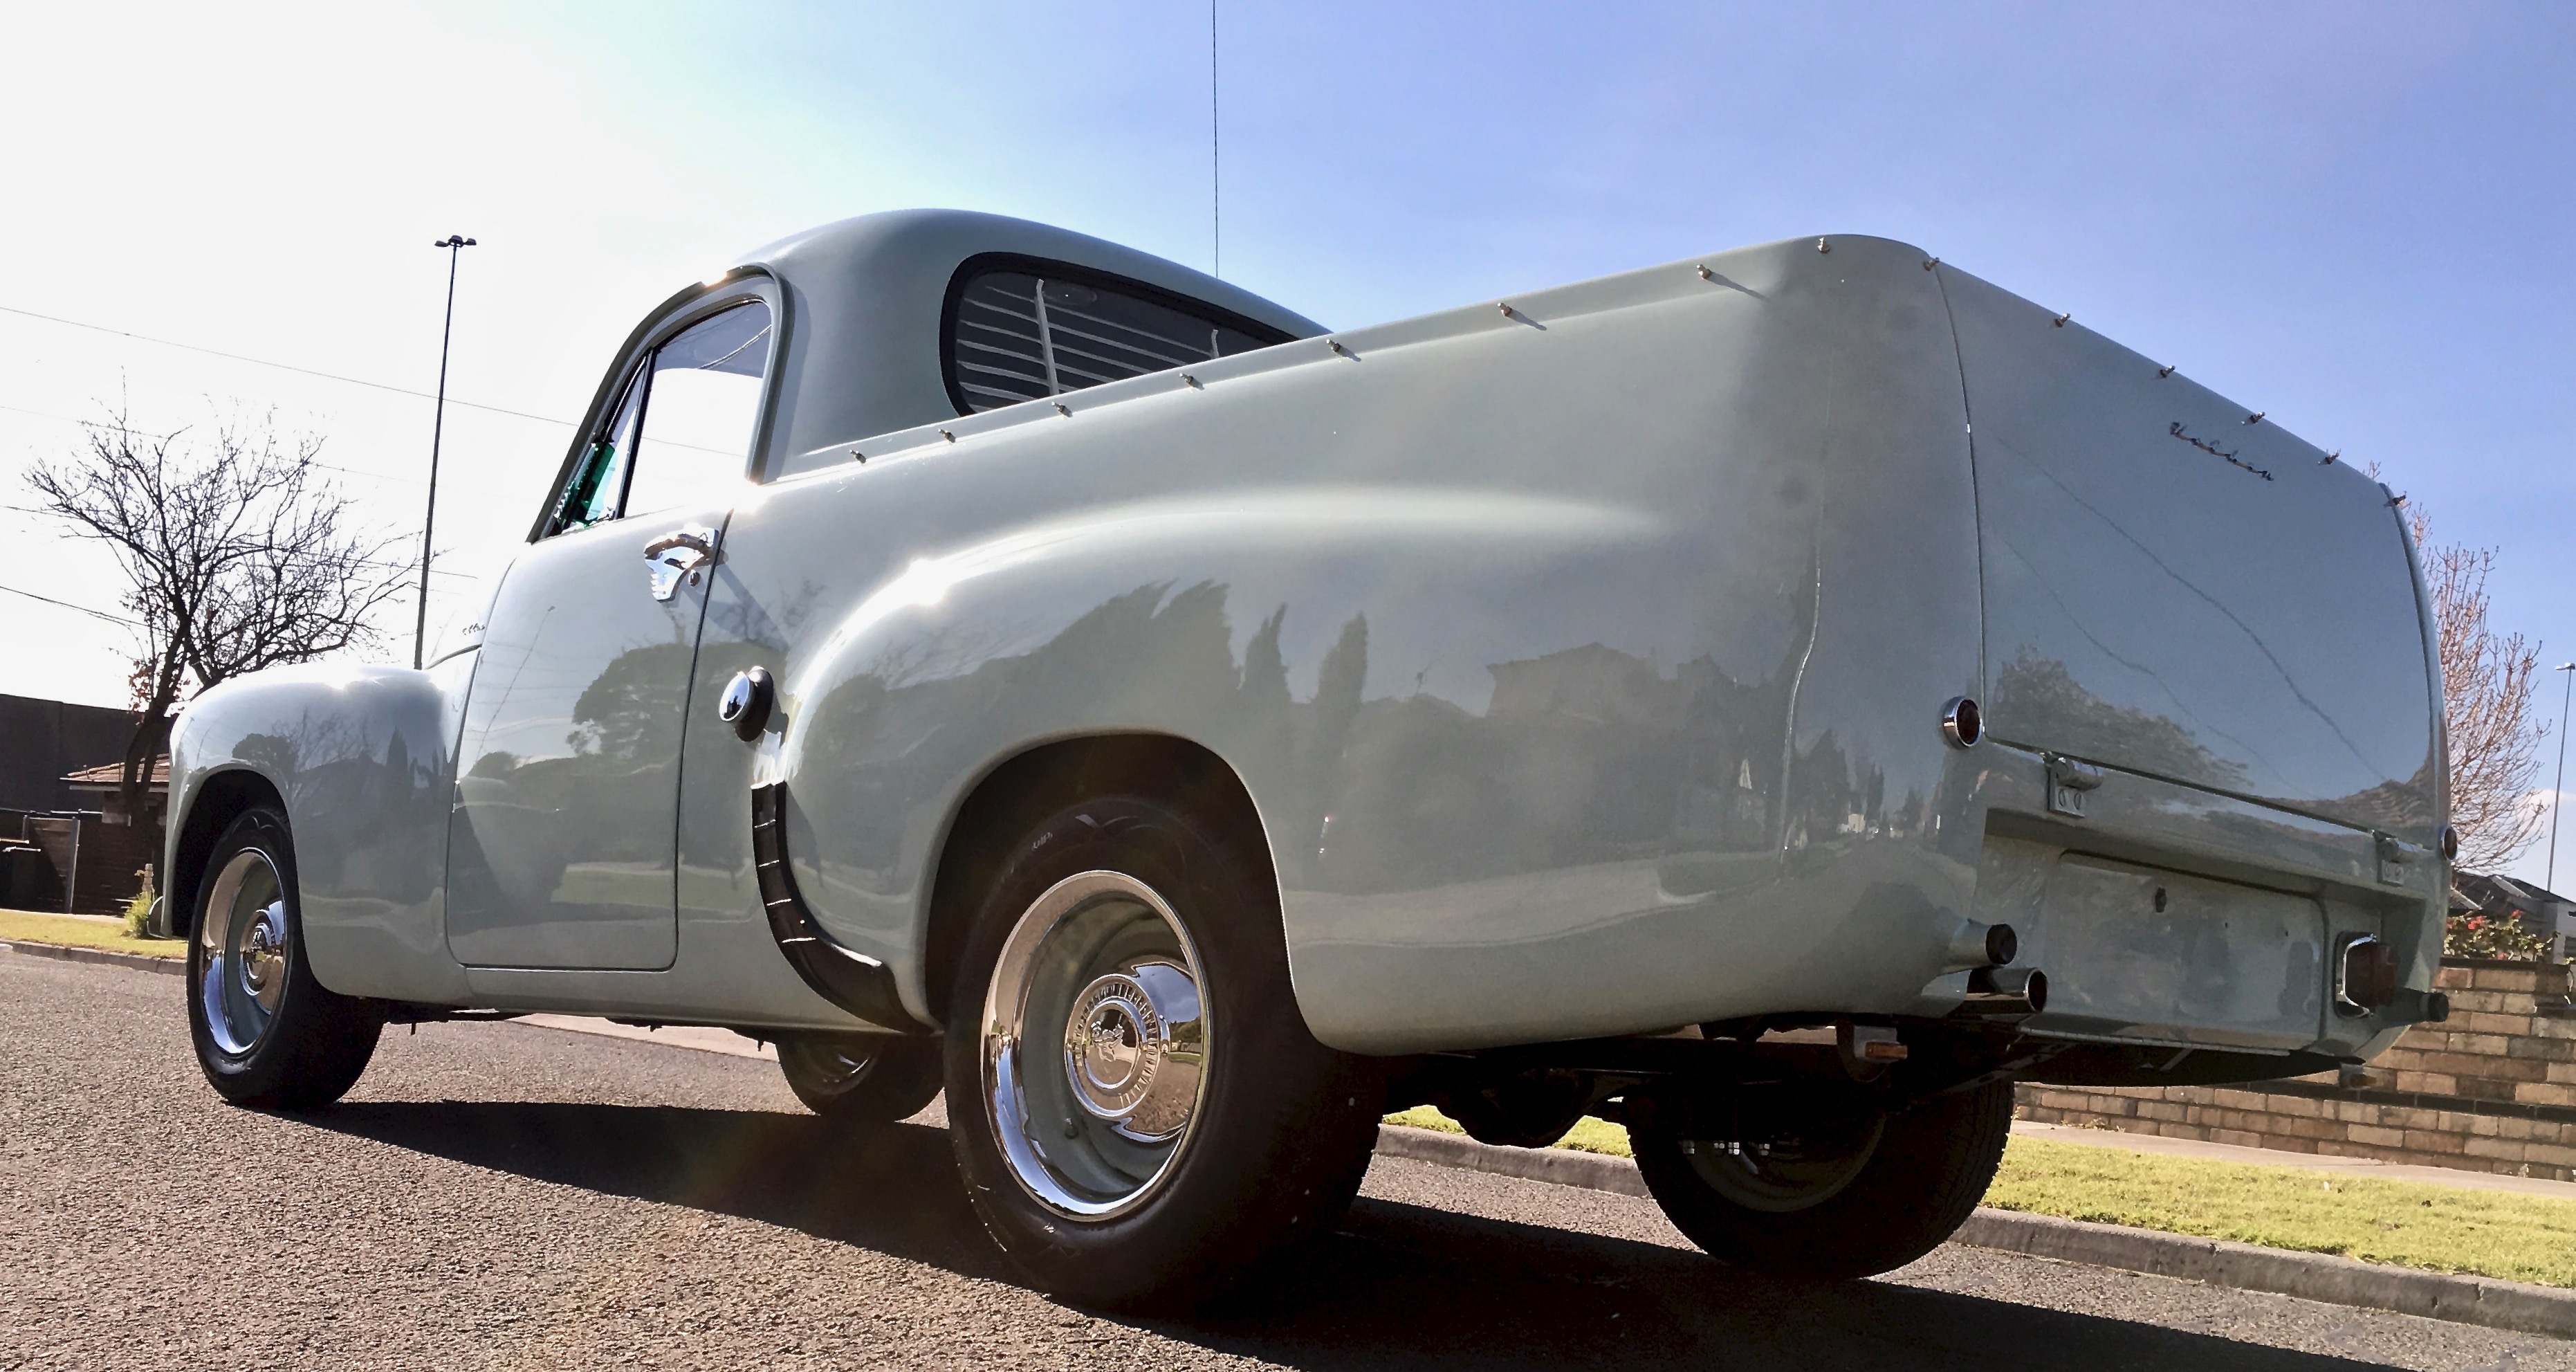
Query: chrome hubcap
<point x="243" y="945"/>
<point x="1095" y="1045"/>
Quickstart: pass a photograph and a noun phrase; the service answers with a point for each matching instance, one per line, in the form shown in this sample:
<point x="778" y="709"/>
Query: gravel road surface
<point x="502" y="1196"/>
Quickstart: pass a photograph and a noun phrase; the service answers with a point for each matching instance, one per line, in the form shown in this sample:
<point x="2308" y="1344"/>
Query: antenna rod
<point x="1216" y="169"/>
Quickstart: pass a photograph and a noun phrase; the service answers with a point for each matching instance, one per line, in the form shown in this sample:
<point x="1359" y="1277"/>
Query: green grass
<point x="2406" y="1224"/>
<point x="1587" y="1136"/>
<point x="35" y="926"/>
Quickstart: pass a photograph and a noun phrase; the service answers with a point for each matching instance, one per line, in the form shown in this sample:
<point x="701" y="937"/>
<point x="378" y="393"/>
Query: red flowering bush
<point x="2480" y="935"/>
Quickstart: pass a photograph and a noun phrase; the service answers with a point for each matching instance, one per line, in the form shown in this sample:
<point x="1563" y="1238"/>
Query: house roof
<point x="108" y="775"/>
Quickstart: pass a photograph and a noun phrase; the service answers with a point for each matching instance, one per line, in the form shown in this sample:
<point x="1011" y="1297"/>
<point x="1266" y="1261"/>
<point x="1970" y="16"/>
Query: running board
<point x="851" y="980"/>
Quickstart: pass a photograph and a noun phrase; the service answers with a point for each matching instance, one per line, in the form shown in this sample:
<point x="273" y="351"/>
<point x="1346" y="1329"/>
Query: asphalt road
<point x="501" y="1196"/>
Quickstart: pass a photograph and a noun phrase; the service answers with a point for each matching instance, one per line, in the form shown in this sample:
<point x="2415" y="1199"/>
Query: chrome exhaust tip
<point x="2005" y="992"/>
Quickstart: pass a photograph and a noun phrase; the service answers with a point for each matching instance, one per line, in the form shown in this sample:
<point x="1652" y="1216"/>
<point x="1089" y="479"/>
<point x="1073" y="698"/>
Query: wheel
<point x="861" y="1078"/>
<point x="267" y="1033"/>
<point x="1138" y="1109"/>
<point x="1833" y="1199"/>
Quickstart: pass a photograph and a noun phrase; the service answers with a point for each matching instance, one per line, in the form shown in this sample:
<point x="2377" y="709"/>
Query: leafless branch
<point x="238" y="554"/>
<point x="2487" y="681"/>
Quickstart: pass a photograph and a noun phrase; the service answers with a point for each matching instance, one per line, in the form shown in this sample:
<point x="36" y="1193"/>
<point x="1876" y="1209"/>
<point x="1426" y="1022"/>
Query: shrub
<point x="2481" y="935"/>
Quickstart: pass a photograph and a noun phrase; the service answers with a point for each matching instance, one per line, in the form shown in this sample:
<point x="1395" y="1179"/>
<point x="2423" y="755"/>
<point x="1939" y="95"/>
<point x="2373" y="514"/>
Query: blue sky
<point x="2356" y="217"/>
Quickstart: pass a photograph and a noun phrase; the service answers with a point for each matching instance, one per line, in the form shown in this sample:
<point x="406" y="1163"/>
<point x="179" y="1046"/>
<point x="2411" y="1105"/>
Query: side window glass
<point x="683" y="432"/>
<point x="1023" y="335"/>
<point x="701" y="410"/>
<point x="600" y="481"/>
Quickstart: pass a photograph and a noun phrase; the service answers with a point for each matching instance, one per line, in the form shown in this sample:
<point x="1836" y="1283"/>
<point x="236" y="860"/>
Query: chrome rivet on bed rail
<point x="1823" y="246"/>
<point x="1930" y="262"/>
<point x="1064" y="409"/>
<point x="1705" y="274"/>
<point x="2329" y="459"/>
<point x="1963" y="723"/>
<point x="2060" y="321"/>
<point x="2255" y="418"/>
<point x="2163" y="372"/>
<point x="943" y="433"/>
<point x="1336" y="345"/>
<point x="862" y="457"/>
<point x="1189" y="380"/>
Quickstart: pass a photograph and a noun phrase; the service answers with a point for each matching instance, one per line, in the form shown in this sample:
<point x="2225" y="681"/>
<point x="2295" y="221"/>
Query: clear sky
<point x="2357" y="217"/>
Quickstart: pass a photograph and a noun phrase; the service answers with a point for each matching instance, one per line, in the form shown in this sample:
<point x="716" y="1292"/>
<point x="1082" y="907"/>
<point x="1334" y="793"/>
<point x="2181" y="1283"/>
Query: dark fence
<point x="102" y="863"/>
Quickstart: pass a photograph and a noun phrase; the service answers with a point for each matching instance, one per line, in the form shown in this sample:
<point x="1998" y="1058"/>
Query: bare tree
<point x="2487" y="681"/>
<point x="238" y="555"/>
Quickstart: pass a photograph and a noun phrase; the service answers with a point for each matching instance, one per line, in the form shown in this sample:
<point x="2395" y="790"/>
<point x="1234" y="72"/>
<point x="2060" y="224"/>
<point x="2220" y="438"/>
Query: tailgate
<point x="2175" y="588"/>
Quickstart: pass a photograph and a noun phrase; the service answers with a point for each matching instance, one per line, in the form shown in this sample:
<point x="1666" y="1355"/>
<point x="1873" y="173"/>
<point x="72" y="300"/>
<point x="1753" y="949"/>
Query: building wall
<point x="2493" y="1089"/>
<point x="40" y="740"/>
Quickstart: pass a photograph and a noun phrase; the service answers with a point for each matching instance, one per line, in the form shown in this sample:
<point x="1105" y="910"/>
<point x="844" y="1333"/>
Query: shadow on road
<point x="1398" y="1285"/>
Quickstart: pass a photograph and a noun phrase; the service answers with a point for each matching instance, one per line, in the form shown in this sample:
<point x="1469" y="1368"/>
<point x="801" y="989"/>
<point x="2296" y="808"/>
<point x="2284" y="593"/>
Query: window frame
<point x="684" y="310"/>
<point x="1269" y="335"/>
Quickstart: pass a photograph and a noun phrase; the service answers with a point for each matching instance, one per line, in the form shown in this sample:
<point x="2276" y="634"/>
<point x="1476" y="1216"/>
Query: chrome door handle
<point x="693" y="541"/>
<point x="677" y="553"/>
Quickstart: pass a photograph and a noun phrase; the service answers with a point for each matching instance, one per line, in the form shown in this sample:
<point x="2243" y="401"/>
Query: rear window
<point x="1028" y="330"/>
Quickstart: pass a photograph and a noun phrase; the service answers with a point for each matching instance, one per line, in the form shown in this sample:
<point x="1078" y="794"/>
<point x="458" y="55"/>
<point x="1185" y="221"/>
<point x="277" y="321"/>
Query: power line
<point x="96" y="424"/>
<point x="281" y="366"/>
<point x="94" y="614"/>
<point x="362" y="562"/>
<point x="306" y="371"/>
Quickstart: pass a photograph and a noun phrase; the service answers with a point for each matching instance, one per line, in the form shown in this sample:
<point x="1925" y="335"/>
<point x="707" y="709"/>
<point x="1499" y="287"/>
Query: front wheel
<point x="1831" y="1197"/>
<point x="266" y="1033"/>
<point x="1138" y="1108"/>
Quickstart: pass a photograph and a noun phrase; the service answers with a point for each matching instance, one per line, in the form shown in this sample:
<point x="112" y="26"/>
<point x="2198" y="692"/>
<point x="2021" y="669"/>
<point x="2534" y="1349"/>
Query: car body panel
<point x="1583" y="655"/>
<point x="362" y="759"/>
<point x="568" y="782"/>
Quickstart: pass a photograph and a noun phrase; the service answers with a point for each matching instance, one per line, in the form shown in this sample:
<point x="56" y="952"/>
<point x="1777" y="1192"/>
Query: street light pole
<point x="437" y="430"/>
<point x="2558" y="788"/>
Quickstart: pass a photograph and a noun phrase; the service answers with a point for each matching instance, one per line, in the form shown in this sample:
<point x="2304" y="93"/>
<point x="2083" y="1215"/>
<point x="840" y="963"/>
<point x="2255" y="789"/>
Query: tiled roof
<point x="108" y="775"/>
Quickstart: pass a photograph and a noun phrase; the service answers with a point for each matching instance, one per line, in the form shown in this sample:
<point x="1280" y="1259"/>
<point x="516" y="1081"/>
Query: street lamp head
<point x="2565" y="667"/>
<point x="453" y="241"/>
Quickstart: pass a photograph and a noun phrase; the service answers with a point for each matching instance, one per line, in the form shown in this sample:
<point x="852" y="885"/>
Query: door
<point x="560" y="842"/>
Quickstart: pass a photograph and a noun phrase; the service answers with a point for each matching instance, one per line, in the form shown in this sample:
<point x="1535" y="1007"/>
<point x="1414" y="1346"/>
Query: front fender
<point x="363" y="758"/>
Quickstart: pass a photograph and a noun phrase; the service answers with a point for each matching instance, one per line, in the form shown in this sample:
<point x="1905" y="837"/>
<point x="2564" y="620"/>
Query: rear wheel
<point x="1831" y="1197"/>
<point x="1138" y="1108"/>
<point x="861" y="1078"/>
<point x="267" y="1033"/>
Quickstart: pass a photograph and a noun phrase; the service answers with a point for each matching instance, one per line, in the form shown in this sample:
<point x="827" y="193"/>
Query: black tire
<point x="311" y="1043"/>
<point x="1930" y="1166"/>
<point x="1282" y="1128"/>
<point x="861" y="1079"/>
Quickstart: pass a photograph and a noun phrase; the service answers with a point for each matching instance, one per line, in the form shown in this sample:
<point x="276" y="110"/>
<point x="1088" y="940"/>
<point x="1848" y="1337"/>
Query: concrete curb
<point x="105" y="956"/>
<point x="2516" y="1306"/>
<point x="1563" y="1166"/>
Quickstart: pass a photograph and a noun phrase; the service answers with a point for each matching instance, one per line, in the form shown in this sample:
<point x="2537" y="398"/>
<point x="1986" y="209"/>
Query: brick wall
<point x="2493" y="1089"/>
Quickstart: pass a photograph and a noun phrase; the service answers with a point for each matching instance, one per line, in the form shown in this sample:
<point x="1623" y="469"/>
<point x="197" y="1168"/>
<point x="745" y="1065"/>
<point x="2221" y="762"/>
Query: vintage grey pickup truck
<point x="1775" y="700"/>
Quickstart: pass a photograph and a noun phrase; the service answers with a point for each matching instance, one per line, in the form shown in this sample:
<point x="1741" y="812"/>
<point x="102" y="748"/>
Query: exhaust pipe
<point x="2005" y="993"/>
<point x="1978" y="945"/>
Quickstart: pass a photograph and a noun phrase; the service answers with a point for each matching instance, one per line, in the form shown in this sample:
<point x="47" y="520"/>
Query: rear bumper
<point x="2166" y="914"/>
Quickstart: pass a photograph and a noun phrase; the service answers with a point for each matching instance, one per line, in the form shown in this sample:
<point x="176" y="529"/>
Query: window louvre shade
<point x="1020" y="335"/>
